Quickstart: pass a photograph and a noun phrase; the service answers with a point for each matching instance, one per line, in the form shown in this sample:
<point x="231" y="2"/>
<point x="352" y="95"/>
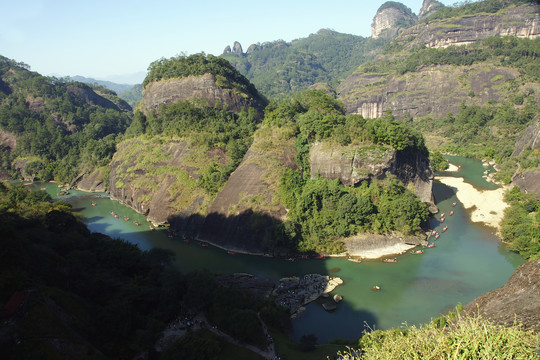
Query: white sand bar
<point x="489" y="204"/>
<point x="452" y="167"/>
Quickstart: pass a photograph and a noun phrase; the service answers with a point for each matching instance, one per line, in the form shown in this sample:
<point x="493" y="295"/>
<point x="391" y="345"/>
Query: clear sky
<point x="104" y="39"/>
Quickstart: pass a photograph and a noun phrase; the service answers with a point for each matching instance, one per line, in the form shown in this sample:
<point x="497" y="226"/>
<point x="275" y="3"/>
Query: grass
<point x="465" y="338"/>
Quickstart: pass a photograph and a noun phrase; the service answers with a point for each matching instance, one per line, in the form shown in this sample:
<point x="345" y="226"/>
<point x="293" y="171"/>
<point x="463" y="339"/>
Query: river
<point x="468" y="260"/>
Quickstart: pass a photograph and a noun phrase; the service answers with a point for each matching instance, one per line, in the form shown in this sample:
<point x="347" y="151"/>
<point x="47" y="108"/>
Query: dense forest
<point x="62" y="128"/>
<point x="105" y="298"/>
<point x="322" y="211"/>
<point x="279" y="69"/>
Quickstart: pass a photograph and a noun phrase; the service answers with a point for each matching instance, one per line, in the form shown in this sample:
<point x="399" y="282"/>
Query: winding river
<point x="468" y="260"/>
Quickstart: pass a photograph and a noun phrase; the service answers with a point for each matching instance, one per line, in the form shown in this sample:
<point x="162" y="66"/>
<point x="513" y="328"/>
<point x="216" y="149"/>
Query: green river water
<point x="468" y="260"/>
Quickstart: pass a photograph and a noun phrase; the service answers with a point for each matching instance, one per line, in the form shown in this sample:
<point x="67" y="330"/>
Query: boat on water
<point x="231" y="252"/>
<point x="376" y="287"/>
<point x="126" y="218"/>
<point x="94" y="204"/>
<point x="137" y="223"/>
<point x="445" y="228"/>
<point x="356" y="260"/>
<point x="437" y="236"/>
<point x="390" y="260"/>
<point x="453" y="204"/>
<point x="430" y="246"/>
<point x="451" y="212"/>
<point x="417" y="252"/>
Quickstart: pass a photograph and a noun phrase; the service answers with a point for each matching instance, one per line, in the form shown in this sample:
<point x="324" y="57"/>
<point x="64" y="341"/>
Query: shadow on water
<point x="467" y="261"/>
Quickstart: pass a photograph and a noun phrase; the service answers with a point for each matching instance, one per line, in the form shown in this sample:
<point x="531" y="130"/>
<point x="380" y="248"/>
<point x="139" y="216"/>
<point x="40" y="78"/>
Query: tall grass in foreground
<point x="466" y="338"/>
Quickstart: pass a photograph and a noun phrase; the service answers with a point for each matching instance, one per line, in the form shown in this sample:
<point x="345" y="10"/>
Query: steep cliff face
<point x="528" y="180"/>
<point x="156" y="178"/>
<point x="243" y="214"/>
<point x="203" y="87"/>
<point x="518" y="300"/>
<point x="391" y="17"/>
<point x="521" y="21"/>
<point x="353" y="164"/>
<point x="428" y="8"/>
<point x="433" y="90"/>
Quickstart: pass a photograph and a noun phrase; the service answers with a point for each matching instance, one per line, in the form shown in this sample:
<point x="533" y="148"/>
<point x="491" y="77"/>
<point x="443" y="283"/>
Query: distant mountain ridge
<point x="132" y="94"/>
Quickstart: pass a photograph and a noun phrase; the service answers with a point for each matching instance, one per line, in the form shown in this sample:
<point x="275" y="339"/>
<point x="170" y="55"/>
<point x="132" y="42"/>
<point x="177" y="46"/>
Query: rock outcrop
<point x="521" y="21"/>
<point x="237" y="48"/>
<point x="203" y="87"/>
<point x="518" y="300"/>
<point x="529" y="139"/>
<point x="429" y="91"/>
<point x="528" y="180"/>
<point x="390" y="18"/>
<point x="428" y="8"/>
<point x="243" y="214"/>
<point x="94" y="182"/>
<point x="136" y="179"/>
<point x="353" y="164"/>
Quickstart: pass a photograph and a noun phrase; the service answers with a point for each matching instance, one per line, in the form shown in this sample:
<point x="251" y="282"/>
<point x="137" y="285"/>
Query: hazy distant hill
<point x="117" y="88"/>
<point x="128" y="92"/>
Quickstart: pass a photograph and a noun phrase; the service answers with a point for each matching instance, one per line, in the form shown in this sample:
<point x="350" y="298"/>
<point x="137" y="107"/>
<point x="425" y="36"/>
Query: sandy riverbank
<point x="488" y="205"/>
<point x="375" y="246"/>
<point x="452" y="167"/>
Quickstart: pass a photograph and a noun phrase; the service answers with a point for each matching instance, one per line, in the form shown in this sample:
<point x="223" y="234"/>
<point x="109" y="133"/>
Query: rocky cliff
<point x="518" y="300"/>
<point x="428" y="8"/>
<point x="206" y="87"/>
<point x="521" y="21"/>
<point x="390" y="18"/>
<point x="157" y="178"/>
<point x="528" y="180"/>
<point x="431" y="90"/>
<point x="353" y="164"/>
<point x="243" y="214"/>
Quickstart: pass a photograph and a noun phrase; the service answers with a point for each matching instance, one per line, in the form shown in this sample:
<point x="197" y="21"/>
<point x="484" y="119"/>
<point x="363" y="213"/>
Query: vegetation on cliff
<point x="471" y="8"/>
<point x="321" y="211"/>
<point x="518" y="53"/>
<point x="520" y="227"/>
<point x="100" y="297"/>
<point x="197" y="65"/>
<point x="65" y="127"/>
<point x="279" y="69"/>
<point x="205" y="130"/>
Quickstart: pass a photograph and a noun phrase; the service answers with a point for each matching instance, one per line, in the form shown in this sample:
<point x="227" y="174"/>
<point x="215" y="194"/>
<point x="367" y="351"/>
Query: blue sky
<point x="107" y="39"/>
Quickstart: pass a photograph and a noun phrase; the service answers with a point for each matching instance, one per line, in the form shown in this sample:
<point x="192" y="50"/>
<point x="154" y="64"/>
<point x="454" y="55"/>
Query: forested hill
<point x="279" y="68"/>
<point x="56" y="129"/>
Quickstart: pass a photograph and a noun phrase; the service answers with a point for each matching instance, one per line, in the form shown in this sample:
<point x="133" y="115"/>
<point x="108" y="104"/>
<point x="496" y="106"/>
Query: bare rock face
<point x="8" y="140"/>
<point x="227" y="50"/>
<point x="197" y="87"/>
<point x="351" y="165"/>
<point x="521" y="21"/>
<point x="237" y="48"/>
<point x="431" y="90"/>
<point x="391" y="17"/>
<point x="428" y="8"/>
<point x="252" y="48"/>
<point x="528" y="181"/>
<point x="94" y="182"/>
<point x="518" y="300"/>
<point x="530" y="138"/>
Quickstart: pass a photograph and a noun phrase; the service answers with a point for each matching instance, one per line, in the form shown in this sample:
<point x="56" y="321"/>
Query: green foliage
<point x="437" y="161"/>
<point x="279" y="69"/>
<point x="520" y="226"/>
<point x="465" y="8"/>
<point x="104" y="296"/>
<point x="224" y="133"/>
<point x="197" y="65"/>
<point x="133" y="95"/>
<point x="520" y="53"/>
<point x="464" y="337"/>
<point x="70" y="128"/>
<point x="488" y="131"/>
